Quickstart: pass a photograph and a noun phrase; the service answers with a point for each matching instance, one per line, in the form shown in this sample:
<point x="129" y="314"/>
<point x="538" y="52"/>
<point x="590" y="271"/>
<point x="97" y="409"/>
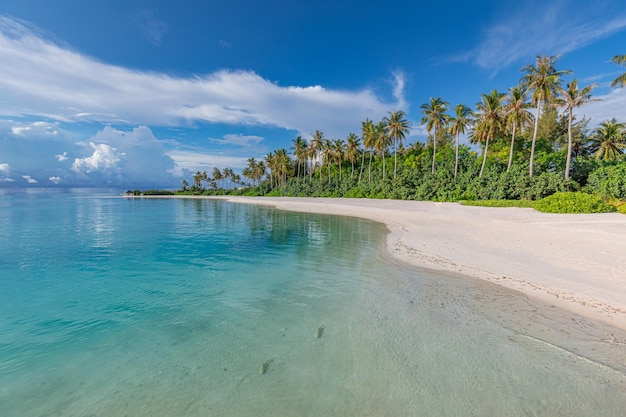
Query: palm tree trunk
<point x="383" y="154"/>
<point x="395" y="162"/>
<point x="456" y="155"/>
<point x="369" y="170"/>
<point x="434" y="151"/>
<point x="532" y="147"/>
<point x="511" y="151"/>
<point x="482" y="168"/>
<point x="569" y="145"/>
<point x="362" y="165"/>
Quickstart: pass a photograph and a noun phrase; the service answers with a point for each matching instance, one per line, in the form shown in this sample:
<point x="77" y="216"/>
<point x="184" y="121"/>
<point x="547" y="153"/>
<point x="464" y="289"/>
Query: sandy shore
<point x="577" y="262"/>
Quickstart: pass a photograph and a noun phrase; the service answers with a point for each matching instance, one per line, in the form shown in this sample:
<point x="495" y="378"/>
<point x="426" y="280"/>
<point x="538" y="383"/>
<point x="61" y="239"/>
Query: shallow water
<point x="163" y="307"/>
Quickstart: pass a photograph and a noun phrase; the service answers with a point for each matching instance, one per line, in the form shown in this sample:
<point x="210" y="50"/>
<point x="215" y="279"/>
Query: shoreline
<point x="573" y="261"/>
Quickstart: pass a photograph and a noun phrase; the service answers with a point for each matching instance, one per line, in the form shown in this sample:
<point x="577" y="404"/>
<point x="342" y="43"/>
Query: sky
<point x="142" y="94"/>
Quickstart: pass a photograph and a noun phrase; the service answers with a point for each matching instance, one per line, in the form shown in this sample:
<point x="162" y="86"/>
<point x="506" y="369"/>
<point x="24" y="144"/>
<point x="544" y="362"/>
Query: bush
<point x="608" y="182"/>
<point x="622" y="208"/>
<point x="567" y="202"/>
<point x="500" y="203"/>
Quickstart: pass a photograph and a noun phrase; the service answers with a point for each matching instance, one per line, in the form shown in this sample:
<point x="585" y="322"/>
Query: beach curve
<point x="573" y="261"/>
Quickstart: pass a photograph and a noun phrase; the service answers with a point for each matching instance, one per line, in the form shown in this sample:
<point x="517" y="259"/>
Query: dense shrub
<point x="609" y="182"/>
<point x="569" y="202"/>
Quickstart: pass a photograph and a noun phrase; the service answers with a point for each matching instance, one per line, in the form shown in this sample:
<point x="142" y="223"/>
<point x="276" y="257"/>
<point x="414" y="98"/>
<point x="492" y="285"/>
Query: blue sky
<point x="144" y="93"/>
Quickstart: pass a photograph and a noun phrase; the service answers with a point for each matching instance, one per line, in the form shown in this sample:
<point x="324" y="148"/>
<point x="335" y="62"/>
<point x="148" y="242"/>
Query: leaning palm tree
<point x="435" y="118"/>
<point x="490" y="120"/>
<point x="396" y="127"/>
<point x="543" y="80"/>
<point x="516" y="116"/>
<point x="570" y="98"/>
<point x="621" y="80"/>
<point x="609" y="140"/>
<point x="461" y="120"/>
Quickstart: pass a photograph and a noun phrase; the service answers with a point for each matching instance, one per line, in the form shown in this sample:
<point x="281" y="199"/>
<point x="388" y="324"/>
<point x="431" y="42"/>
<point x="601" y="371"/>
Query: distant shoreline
<point x="573" y="261"/>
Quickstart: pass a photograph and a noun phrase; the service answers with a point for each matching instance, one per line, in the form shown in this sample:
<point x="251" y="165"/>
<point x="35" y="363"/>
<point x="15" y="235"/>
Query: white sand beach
<point x="577" y="262"/>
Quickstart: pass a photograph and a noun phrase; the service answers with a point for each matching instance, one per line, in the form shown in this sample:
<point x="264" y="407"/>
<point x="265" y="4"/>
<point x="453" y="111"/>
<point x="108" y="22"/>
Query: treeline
<point x="531" y="146"/>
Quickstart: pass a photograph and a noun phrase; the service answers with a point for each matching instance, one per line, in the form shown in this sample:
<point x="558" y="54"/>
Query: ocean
<point x="114" y="306"/>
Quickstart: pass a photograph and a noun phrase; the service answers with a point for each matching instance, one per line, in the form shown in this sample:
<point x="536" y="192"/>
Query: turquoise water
<point x="170" y="307"/>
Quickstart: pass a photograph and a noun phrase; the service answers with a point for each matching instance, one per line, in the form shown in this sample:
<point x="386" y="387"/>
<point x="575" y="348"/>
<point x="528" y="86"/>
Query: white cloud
<point x="611" y="105"/>
<point x="62" y="157"/>
<point x="523" y="30"/>
<point x="104" y="157"/>
<point x="243" y="141"/>
<point x="192" y="161"/>
<point x="5" y="169"/>
<point x="29" y="179"/>
<point x="88" y="90"/>
<point x="35" y="129"/>
<point x="55" y="180"/>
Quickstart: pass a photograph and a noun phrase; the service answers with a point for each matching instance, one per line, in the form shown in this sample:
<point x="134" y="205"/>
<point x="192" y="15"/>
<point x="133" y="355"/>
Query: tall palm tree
<point x="300" y="152"/>
<point x="217" y="176"/>
<point x="369" y="141"/>
<point x="609" y="140"/>
<point x="461" y="120"/>
<point x="435" y="118"/>
<point x="315" y="147"/>
<point x="338" y="147"/>
<point x="571" y="97"/>
<point x="543" y="80"/>
<point x="381" y="141"/>
<point x="352" y="150"/>
<point x="621" y="80"/>
<point x="490" y="120"/>
<point x="327" y="153"/>
<point x="396" y="127"/>
<point x="516" y="116"/>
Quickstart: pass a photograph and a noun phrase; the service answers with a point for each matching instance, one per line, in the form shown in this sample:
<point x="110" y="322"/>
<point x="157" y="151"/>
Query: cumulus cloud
<point x="29" y="179"/>
<point x="55" y="180"/>
<point x="89" y="90"/>
<point x="5" y="169"/>
<point x="522" y="30"/>
<point x="104" y="157"/>
<point x="62" y="157"/>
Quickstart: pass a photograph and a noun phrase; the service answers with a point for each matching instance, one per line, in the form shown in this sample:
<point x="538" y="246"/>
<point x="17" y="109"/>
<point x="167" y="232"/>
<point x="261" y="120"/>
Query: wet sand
<point x="576" y="262"/>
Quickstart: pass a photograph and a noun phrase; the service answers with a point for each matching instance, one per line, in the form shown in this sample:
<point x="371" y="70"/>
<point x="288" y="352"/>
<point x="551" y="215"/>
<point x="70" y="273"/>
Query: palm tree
<point x="396" y="127"/>
<point x="282" y="165"/>
<point x="327" y="153"/>
<point x="609" y="140"/>
<point x="543" y="80"/>
<point x="458" y="124"/>
<point x="338" y="148"/>
<point x="516" y="116"/>
<point x="352" y="150"/>
<point x="435" y="118"/>
<point x="490" y="120"/>
<point x="300" y="152"/>
<point x="314" y="148"/>
<point x="381" y="141"/>
<point x="217" y="175"/>
<point x="369" y="142"/>
<point x="570" y="98"/>
<point x="621" y="80"/>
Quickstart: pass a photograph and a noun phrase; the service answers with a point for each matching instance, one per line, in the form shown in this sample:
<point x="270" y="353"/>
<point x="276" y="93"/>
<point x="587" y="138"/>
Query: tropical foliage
<point x="516" y="156"/>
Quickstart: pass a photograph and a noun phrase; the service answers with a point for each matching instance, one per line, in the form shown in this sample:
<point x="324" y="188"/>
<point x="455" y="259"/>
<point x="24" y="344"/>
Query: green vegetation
<point x="573" y="203"/>
<point x="500" y="203"/>
<point x="520" y="158"/>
